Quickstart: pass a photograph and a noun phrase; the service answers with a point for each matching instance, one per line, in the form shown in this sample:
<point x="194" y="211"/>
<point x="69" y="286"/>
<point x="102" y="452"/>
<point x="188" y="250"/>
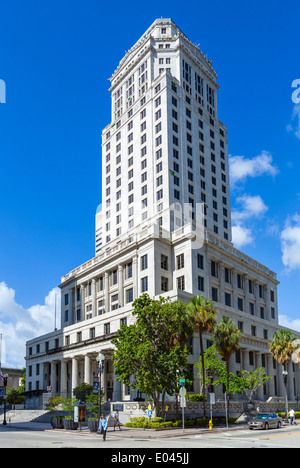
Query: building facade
<point x="164" y="226"/>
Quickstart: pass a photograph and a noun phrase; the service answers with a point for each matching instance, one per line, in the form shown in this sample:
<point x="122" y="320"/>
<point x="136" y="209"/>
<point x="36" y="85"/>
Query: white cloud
<point x="241" y="167"/>
<point x="252" y="207"/>
<point x="18" y="324"/>
<point x="294" y="126"/>
<point x="241" y="236"/>
<point x="286" y="322"/>
<point x="290" y="243"/>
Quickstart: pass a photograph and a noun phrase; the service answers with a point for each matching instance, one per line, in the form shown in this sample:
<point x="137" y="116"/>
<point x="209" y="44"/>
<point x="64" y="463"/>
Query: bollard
<point x="210" y="425"/>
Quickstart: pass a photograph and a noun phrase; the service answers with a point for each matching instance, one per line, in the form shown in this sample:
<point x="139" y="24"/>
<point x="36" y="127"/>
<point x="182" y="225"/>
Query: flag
<point x="1" y="375"/>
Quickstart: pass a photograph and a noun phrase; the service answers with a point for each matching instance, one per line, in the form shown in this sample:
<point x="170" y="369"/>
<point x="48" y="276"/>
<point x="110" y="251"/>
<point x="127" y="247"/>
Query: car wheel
<point x="266" y="426"/>
<point x="279" y="425"/>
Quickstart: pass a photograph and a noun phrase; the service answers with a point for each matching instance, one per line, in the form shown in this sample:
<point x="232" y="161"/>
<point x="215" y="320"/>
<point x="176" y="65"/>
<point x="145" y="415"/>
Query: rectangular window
<point x="214" y="294"/>
<point x="181" y="283"/>
<point x="164" y="284"/>
<point x="144" y="284"/>
<point x="164" y="262"/>
<point x="200" y="283"/>
<point x="129" y="295"/>
<point x="180" y="261"/>
<point x="144" y="262"/>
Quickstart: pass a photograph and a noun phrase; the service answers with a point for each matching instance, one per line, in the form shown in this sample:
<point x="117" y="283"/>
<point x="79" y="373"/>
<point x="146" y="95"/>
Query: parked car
<point x="265" y="421"/>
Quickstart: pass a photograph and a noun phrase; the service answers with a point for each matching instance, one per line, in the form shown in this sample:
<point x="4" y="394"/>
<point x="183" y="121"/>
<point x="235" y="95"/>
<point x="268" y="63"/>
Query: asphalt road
<point x="286" y="437"/>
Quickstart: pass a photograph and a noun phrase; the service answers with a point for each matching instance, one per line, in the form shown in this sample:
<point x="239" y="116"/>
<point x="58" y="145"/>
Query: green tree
<point x="216" y="374"/>
<point x="253" y="381"/>
<point x="226" y="338"/>
<point x="150" y="352"/>
<point x="203" y="313"/>
<point x="282" y="347"/>
<point x="82" y="391"/>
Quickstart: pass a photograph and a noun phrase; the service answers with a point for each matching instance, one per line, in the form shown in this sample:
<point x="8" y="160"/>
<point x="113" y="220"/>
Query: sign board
<point x="1" y="392"/>
<point x="182" y="392"/>
<point x="182" y="382"/>
<point x="118" y="406"/>
<point x="79" y="414"/>
<point x="182" y="402"/>
<point x="96" y="388"/>
<point x="212" y="398"/>
<point x="149" y="414"/>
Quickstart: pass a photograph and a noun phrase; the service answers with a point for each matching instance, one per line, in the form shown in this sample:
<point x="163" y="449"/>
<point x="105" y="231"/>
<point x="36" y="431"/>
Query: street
<point x="286" y="437"/>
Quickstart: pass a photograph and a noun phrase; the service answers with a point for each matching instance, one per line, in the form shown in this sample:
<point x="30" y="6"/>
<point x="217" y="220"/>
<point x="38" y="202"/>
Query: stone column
<point x="74" y="374"/>
<point x="257" y="299"/>
<point x="82" y="302"/>
<point x="53" y="377"/>
<point x="117" y="392"/>
<point x="269" y="371"/>
<point x="281" y="386"/>
<point x="268" y="303"/>
<point x="63" y="379"/>
<point x="260" y="391"/>
<point x="120" y="286"/>
<point x="208" y="277"/>
<point x="290" y="385"/>
<point x="245" y="359"/>
<point x="246" y="289"/>
<point x="234" y="287"/>
<point x="222" y="282"/>
<point x="135" y="277"/>
<point x="94" y="298"/>
<point x="87" y="370"/>
<point x="106" y="292"/>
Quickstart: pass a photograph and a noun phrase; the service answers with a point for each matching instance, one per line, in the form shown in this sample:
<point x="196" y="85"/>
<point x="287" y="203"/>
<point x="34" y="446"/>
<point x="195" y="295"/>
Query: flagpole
<point x="55" y="315"/>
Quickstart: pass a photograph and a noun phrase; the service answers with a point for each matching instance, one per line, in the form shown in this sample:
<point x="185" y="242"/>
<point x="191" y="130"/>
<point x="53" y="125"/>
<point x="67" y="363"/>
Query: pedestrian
<point x="117" y="420"/>
<point x="103" y="423"/>
<point x="292" y="417"/>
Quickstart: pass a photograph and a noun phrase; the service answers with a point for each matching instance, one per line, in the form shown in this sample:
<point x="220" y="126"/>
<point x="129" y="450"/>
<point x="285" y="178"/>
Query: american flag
<point x="1" y="375"/>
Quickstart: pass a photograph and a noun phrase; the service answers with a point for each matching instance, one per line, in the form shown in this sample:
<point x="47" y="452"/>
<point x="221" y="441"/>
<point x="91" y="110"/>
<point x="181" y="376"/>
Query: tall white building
<point x="164" y="226"/>
<point x="165" y="145"/>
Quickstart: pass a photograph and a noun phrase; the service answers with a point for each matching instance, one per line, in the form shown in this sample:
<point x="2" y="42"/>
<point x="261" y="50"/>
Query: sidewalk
<point x="126" y="432"/>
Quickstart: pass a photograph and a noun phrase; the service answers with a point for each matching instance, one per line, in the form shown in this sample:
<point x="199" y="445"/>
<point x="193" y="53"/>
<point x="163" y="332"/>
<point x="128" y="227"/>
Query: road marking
<point x="277" y="436"/>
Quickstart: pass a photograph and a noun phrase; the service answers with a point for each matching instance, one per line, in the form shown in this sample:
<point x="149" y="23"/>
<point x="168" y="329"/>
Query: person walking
<point x="292" y="417"/>
<point x="117" y="420"/>
<point x="103" y="424"/>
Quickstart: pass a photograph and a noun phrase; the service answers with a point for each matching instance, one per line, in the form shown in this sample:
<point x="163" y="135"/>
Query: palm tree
<point x="226" y="338"/>
<point x="203" y="314"/>
<point x="282" y="347"/>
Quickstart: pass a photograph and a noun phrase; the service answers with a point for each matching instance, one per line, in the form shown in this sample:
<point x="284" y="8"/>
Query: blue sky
<point x="56" y="58"/>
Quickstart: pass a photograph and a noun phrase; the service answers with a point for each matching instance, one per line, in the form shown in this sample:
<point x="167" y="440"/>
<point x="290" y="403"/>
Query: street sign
<point x="149" y="414"/>
<point x="182" y="392"/>
<point x="182" y="402"/>
<point x="212" y="398"/>
<point x="182" y="382"/>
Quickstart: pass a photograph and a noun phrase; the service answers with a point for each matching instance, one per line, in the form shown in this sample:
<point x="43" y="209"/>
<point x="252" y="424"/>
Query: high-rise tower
<point x="165" y="146"/>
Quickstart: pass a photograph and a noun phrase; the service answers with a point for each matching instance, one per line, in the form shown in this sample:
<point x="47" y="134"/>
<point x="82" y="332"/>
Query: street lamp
<point x="285" y="376"/>
<point x="100" y="368"/>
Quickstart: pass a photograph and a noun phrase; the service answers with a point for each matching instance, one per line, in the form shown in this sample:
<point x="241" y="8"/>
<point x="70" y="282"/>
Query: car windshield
<point x="262" y="416"/>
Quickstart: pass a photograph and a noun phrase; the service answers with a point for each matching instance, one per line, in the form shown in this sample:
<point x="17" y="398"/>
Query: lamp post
<point x="285" y="376"/>
<point x="5" y="377"/>
<point x="100" y="368"/>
